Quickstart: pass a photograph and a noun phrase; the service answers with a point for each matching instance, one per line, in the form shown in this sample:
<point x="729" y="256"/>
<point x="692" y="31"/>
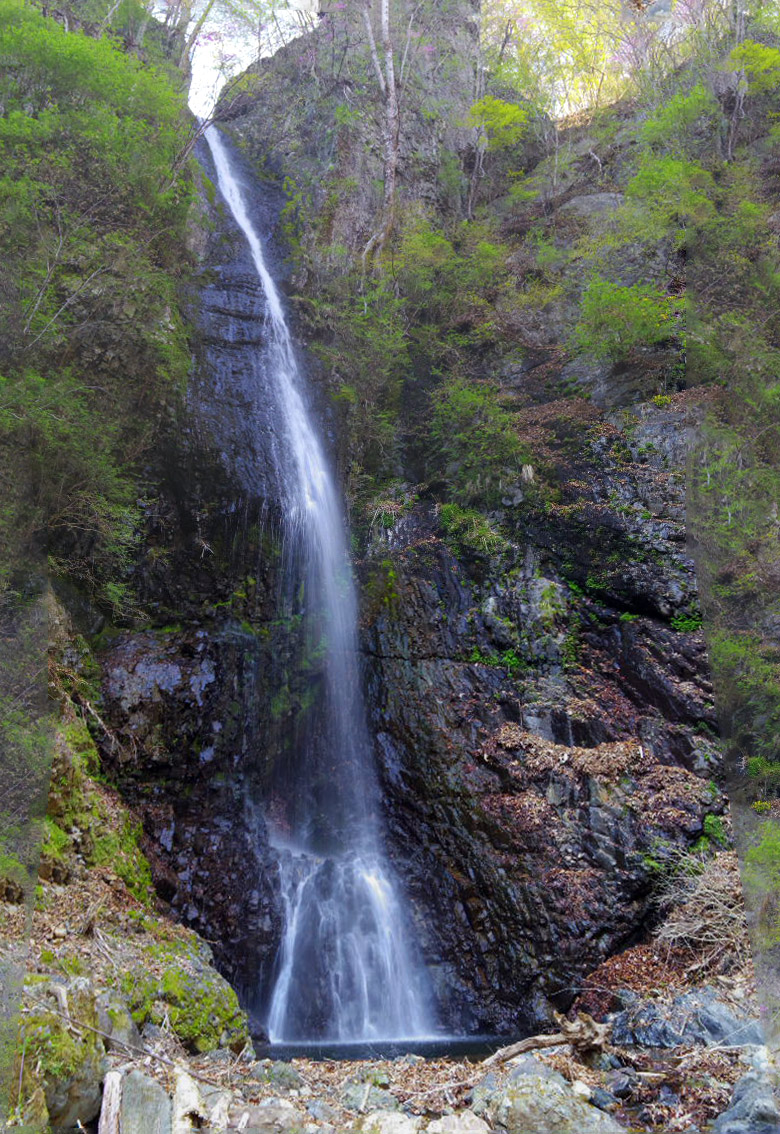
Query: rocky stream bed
<point x="128" y="1029"/>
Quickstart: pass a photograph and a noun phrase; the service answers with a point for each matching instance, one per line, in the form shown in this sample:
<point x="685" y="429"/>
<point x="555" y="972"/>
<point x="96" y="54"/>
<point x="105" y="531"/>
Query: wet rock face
<point x="544" y="743"/>
<point x="189" y="714"/>
<point x="233" y="404"/>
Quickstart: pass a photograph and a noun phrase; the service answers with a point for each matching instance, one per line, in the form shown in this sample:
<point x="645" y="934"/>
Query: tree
<point x="386" y="77"/>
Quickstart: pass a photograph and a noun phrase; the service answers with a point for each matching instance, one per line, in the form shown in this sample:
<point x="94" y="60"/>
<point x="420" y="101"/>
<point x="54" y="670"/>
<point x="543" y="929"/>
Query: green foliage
<point x="56" y="841"/>
<point x="474" y="441"/>
<point x="686" y="623"/>
<point x="556" y="52"/>
<point x="361" y="337"/>
<point x="121" y="850"/>
<point x="508" y="660"/>
<point x="674" y="125"/>
<point x="670" y="194"/>
<point x="615" y="318"/>
<point x="503" y="123"/>
<point x="75" y="802"/>
<point x="450" y="281"/>
<point x="381" y="589"/>
<point x="761" y="65"/>
<point x="93" y="204"/>
<point x="749" y="679"/>
<point x="468" y="531"/>
<point x="761" y="877"/>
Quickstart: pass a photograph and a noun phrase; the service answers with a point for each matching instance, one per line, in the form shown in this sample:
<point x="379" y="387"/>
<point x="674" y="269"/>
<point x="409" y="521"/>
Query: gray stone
<point x="365" y="1096"/>
<point x="711" y="1021"/>
<point x="322" y="1111"/>
<point x="116" y="1023"/>
<point x="532" y="1104"/>
<point x="693" y="1018"/>
<point x="389" y="1122"/>
<point x="145" y="1106"/>
<point x="592" y="204"/>
<point x="622" y="1082"/>
<point x="464" y="1123"/>
<point x="276" y="1116"/>
<point x="752" y="1110"/>
<point x="530" y="1066"/>
<point x="283" y="1076"/>
<point x="604" y="1100"/>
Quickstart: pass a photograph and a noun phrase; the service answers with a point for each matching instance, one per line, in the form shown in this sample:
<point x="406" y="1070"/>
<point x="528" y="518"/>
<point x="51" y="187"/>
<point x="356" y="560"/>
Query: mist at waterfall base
<point x="347" y="972"/>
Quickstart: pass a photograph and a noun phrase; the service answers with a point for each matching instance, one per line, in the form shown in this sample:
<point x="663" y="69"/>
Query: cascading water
<point x="346" y="971"/>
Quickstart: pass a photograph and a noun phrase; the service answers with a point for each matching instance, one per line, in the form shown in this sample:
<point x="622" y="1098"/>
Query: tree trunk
<point x="391" y="125"/>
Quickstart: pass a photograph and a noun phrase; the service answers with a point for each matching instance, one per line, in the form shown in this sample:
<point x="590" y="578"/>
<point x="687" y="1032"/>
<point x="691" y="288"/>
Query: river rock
<point x="388" y="1122"/>
<point x="532" y="1104"/>
<point x="530" y="1066"/>
<point x="280" y="1075"/>
<point x="276" y="1116"/>
<point x="145" y="1107"/>
<point x="622" y="1082"/>
<point x="693" y="1018"/>
<point x="752" y="1110"/>
<point x="116" y="1023"/>
<point x="464" y="1123"/>
<point x="362" y="1096"/>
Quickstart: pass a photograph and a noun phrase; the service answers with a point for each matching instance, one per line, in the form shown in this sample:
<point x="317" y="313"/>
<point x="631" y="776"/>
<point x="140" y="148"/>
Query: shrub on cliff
<point x="614" y="318"/>
<point x="474" y="441"/>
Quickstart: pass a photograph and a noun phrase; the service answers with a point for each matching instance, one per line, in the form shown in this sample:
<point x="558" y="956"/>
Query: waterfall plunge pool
<point x="427" y="1047"/>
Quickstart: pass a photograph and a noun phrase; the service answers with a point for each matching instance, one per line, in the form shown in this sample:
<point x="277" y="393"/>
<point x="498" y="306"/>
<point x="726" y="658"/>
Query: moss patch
<point x="200" y="1006"/>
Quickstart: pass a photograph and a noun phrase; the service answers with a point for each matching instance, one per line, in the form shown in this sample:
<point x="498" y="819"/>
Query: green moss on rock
<point x="200" y="1005"/>
<point x="61" y="1059"/>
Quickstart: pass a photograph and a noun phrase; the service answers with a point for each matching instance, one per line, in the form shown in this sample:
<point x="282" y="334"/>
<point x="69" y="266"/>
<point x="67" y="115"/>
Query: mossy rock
<point x="64" y="1063"/>
<point x="201" y="1007"/>
<point x="78" y="821"/>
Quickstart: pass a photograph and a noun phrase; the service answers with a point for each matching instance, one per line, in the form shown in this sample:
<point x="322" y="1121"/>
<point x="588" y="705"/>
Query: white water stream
<point x="346" y="971"/>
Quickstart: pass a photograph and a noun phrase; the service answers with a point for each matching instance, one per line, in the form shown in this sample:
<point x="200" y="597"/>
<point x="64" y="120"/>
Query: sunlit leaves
<point x="761" y="65"/>
<point x="615" y="319"/>
<point x="504" y="123"/>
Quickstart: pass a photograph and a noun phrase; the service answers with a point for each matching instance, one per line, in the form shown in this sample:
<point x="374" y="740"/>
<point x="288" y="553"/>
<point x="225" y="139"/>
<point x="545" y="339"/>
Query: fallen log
<point x="584" y="1034"/>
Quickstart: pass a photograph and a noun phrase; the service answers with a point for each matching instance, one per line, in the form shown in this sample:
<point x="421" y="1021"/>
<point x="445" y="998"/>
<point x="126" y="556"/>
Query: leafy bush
<point x="474" y="441"/>
<point x="686" y="623"/>
<point x="504" y="123"/>
<point x="447" y="280"/>
<point x="760" y="63"/>
<point x="470" y="531"/>
<point x="614" y="318"/>
<point x="674" y="124"/>
<point x="749" y="679"/>
<point x="669" y="194"/>
<point x="93" y="204"/>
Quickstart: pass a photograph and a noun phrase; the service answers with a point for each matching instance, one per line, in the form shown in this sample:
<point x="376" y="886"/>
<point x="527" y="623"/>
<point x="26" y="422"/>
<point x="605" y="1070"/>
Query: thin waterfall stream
<point x="347" y="969"/>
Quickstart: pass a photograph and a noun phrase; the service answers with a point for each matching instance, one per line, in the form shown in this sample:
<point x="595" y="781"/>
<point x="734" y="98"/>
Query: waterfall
<point x="346" y="971"/>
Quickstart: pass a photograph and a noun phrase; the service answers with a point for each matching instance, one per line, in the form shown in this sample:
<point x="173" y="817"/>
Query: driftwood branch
<point x="583" y="1034"/>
